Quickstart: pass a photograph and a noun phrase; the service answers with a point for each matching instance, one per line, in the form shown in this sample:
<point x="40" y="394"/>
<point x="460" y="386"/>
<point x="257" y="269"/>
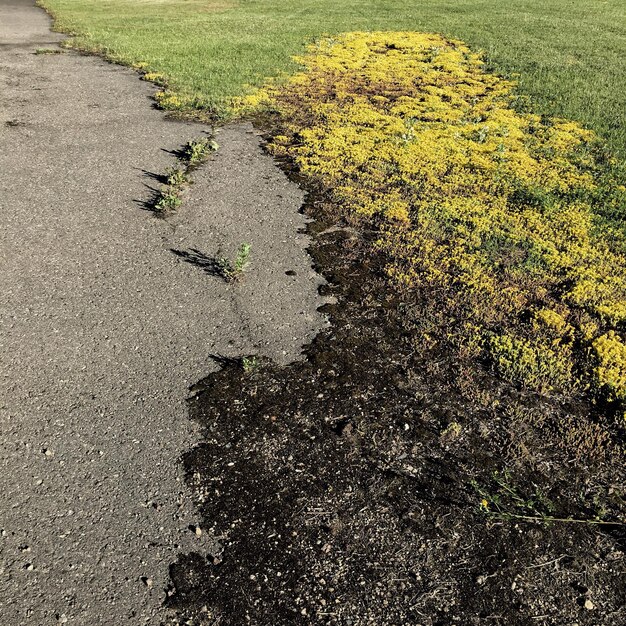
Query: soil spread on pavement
<point x="386" y="481"/>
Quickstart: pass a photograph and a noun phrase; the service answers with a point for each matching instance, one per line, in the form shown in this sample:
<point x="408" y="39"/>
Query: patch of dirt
<point x="386" y="481"/>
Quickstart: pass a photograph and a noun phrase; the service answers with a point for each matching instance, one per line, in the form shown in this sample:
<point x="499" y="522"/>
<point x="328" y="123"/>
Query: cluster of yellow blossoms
<point x="497" y="208"/>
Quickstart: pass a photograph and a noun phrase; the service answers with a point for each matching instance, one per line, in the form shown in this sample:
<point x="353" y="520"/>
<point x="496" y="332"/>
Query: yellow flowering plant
<point x="502" y="209"/>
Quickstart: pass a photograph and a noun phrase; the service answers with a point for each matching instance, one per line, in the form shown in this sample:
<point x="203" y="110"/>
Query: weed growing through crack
<point x="198" y="151"/>
<point x="177" y="177"/>
<point x="232" y="271"/>
<point x="194" y="153"/>
<point x="169" y="200"/>
<point x="48" y="51"/>
<point x="243" y="258"/>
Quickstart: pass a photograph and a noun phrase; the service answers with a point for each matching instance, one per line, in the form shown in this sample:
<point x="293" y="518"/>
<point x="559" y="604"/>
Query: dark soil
<point x="346" y="489"/>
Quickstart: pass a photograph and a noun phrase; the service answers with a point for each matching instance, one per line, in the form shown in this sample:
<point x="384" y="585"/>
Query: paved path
<point x="103" y="328"/>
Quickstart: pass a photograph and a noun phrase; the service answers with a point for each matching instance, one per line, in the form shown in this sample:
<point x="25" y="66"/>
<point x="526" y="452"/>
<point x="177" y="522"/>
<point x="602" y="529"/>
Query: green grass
<point x="569" y="54"/>
<point x="48" y="51"/>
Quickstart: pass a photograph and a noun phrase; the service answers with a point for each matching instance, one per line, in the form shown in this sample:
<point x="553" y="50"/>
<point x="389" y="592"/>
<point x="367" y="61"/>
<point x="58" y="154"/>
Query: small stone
<point x="198" y="531"/>
<point x="589" y="605"/>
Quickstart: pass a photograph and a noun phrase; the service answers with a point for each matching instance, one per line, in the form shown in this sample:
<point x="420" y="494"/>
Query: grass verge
<point x="568" y="53"/>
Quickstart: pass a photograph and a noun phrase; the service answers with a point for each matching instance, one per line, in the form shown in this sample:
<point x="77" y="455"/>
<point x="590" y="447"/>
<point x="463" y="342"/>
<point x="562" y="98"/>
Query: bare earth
<point x="104" y="327"/>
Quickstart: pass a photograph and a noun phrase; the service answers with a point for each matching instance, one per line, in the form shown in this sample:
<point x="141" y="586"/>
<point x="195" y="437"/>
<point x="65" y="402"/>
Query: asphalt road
<point x="103" y="328"/>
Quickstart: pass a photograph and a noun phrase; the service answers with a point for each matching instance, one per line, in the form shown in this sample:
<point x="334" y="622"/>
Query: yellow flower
<point x="410" y="134"/>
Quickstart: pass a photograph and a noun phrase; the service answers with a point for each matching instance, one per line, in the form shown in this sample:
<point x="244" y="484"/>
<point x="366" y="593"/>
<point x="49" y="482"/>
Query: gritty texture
<point x="108" y="315"/>
<point x="346" y="488"/>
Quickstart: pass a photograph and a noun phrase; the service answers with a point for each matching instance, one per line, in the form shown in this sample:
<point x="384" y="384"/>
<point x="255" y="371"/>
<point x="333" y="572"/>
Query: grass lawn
<point x="569" y="54"/>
